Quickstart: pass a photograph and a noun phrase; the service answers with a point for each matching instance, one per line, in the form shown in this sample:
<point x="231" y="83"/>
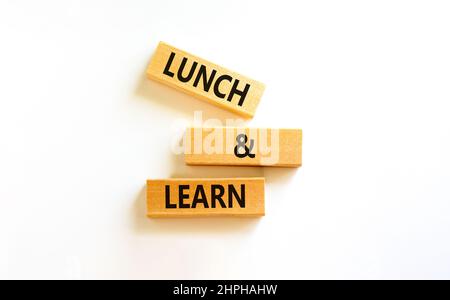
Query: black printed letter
<point x="200" y="197"/>
<point x="169" y="63"/>
<point x="168" y="204"/>
<point x="235" y="91"/>
<point x="240" y="199"/>
<point x="206" y="82"/>
<point x="183" y="196"/>
<point x="217" y="196"/>
<point x="216" y="85"/>
<point x="191" y="72"/>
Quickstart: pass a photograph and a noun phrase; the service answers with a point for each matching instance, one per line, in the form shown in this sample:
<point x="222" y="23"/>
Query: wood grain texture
<point x="207" y="81"/>
<point x="216" y="146"/>
<point x="236" y="197"/>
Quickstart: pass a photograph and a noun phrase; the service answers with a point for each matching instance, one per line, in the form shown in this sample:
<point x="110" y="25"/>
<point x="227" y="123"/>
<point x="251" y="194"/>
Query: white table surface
<point x="81" y="130"/>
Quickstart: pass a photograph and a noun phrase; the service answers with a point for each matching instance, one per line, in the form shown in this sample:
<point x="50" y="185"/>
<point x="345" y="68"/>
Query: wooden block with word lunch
<point x="237" y="197"/>
<point x="205" y="80"/>
<point x="243" y="147"/>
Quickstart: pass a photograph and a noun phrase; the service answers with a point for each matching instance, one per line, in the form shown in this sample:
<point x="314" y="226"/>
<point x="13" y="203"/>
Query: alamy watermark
<point x="214" y="137"/>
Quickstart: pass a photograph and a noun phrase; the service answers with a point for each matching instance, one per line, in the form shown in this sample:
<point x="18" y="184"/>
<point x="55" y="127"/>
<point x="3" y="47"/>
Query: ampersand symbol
<point x="242" y="140"/>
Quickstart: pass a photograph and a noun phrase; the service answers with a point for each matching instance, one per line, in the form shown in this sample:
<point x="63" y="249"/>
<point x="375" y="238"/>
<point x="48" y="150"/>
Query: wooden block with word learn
<point x="205" y="80"/>
<point x="205" y="197"/>
<point x="243" y="147"/>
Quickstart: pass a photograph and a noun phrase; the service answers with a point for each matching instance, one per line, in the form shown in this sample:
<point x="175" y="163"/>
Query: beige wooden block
<point x="205" y="80"/>
<point x="243" y="147"/>
<point x="205" y="197"/>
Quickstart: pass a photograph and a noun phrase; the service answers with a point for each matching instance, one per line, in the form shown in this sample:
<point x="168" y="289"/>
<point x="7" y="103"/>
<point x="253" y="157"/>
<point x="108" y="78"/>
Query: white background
<point x="81" y="130"/>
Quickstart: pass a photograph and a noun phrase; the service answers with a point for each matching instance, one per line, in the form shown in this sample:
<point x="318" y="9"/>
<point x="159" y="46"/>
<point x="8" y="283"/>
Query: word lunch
<point x="243" y="147"/>
<point x="205" y="80"/>
<point x="205" y="197"/>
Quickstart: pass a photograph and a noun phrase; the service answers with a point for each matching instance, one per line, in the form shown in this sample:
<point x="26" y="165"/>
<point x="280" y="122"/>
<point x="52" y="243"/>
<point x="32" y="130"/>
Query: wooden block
<point x="205" y="197"/>
<point x="243" y="147"/>
<point x="205" y="80"/>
